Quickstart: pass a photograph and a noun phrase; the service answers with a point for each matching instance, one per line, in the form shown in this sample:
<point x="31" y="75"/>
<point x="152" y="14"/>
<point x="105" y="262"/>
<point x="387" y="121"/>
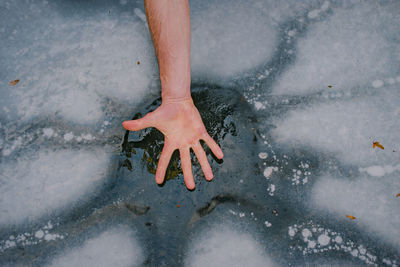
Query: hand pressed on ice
<point x="181" y="124"/>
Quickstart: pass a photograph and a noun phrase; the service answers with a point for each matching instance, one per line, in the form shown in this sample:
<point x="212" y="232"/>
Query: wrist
<point x="178" y="99"/>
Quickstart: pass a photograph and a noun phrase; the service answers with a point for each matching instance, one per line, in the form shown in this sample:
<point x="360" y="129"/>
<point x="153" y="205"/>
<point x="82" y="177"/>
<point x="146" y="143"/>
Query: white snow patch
<point x="268" y="171"/>
<point x="292" y="231"/>
<point x="48" y="132"/>
<point x="223" y="246"/>
<point x="338" y="239"/>
<point x="271" y="189"/>
<point x="70" y="64"/>
<point x="324" y="240"/>
<point x="347" y="128"/>
<point x="366" y="54"/>
<point x="44" y="181"/>
<point x="39" y="234"/>
<point x="376" y="207"/>
<point x="229" y="37"/>
<point x="116" y="247"/>
<point x="68" y="137"/>
<point x="380" y="171"/>
<point x="306" y="233"/>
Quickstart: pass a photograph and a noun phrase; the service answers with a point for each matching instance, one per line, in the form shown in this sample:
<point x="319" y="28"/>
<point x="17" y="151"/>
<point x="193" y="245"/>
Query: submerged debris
<point x="350" y="217"/>
<point x="136" y="209"/>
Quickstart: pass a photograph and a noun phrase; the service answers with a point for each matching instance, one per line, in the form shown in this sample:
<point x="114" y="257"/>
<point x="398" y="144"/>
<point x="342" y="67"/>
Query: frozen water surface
<point x="114" y="247"/>
<point x="302" y="96"/>
<point x="222" y="246"/>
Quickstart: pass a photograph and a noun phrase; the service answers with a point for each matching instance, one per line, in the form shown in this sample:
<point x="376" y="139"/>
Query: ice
<point x="115" y="247"/>
<point x="225" y="246"/>
<point x="232" y="37"/>
<point x="345" y="50"/>
<point x="70" y="65"/>
<point x="347" y="128"/>
<point x="46" y="181"/>
<point x="323" y="81"/>
<point x="371" y="200"/>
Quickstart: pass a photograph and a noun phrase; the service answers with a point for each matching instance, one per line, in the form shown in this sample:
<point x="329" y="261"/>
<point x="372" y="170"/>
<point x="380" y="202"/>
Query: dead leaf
<point x="329" y="86"/>
<point x="12" y="83"/>
<point x="350" y="217"/>
<point x="178" y="206"/>
<point x="374" y="144"/>
<point x="398" y="195"/>
<point x="138" y="62"/>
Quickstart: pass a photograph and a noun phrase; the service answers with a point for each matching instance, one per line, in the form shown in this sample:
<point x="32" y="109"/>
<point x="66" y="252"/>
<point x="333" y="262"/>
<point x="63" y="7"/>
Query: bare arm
<point x="169" y="24"/>
<point x="177" y="117"/>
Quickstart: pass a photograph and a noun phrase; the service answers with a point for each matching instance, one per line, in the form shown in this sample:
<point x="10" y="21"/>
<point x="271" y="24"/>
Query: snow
<point x="329" y="70"/>
<point x="71" y="65"/>
<point x="347" y="128"/>
<point x="376" y="208"/>
<point x="228" y="41"/>
<point x="115" y="247"/>
<point x="225" y="246"/>
<point x="268" y="171"/>
<point x="306" y="233"/>
<point x="46" y="181"/>
<point x="323" y="240"/>
<point x="345" y="50"/>
<point x="39" y="234"/>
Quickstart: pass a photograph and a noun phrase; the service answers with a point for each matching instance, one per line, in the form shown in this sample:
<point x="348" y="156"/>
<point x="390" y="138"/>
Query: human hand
<point x="181" y="124"/>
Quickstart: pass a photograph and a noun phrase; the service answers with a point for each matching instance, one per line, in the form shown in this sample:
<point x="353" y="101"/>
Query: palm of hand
<point x="181" y="124"/>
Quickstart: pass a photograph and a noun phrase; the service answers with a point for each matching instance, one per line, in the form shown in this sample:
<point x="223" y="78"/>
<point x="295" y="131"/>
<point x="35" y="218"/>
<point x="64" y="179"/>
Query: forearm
<point x="169" y="23"/>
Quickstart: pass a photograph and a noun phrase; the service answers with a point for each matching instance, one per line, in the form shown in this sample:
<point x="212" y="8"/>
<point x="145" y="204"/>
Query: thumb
<point x="139" y="124"/>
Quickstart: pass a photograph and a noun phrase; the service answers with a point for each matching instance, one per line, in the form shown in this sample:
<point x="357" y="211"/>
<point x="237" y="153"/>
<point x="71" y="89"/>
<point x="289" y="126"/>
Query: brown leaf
<point x="374" y="144"/>
<point x="12" y="83"/>
<point x="138" y="62"/>
<point x="350" y="217"/>
<point x="329" y="86"/>
<point x="398" y="195"/>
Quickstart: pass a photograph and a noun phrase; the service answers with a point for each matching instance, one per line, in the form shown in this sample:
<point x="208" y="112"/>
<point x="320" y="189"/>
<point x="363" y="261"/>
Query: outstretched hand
<point x="181" y="124"/>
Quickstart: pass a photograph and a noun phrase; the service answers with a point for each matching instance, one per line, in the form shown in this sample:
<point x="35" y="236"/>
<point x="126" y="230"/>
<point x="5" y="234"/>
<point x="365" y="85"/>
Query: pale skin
<point x="177" y="117"/>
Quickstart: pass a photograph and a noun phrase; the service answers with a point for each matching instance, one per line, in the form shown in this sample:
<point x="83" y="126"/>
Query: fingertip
<point x="209" y="176"/>
<point x="190" y="186"/>
<point x="127" y="125"/>
<point x="159" y="180"/>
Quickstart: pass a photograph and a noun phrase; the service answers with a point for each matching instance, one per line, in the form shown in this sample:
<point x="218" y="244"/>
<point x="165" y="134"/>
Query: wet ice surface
<point x="295" y="93"/>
